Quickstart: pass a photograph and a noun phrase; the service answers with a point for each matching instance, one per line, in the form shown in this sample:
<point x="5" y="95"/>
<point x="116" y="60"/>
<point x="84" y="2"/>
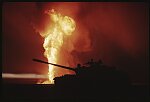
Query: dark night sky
<point x="117" y="33"/>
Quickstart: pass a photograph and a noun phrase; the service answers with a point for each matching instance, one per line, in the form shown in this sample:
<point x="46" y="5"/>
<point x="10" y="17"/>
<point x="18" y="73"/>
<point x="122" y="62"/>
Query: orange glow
<point x="60" y="27"/>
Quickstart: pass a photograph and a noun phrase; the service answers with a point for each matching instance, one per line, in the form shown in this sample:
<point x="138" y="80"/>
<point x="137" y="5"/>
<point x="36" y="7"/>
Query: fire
<point x="61" y="26"/>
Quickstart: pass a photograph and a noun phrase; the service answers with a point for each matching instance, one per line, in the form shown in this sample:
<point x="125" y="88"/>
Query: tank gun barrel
<point x="69" y="68"/>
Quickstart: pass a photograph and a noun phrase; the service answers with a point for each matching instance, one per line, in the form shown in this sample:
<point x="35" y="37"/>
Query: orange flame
<point x="61" y="26"/>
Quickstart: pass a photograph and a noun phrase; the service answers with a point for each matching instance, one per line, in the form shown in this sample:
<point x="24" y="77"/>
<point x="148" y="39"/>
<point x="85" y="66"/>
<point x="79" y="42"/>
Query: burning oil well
<point x="61" y="33"/>
<point x="61" y="27"/>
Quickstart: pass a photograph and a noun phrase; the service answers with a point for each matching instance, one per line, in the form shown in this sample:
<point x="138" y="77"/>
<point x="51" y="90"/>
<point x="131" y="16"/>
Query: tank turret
<point x="76" y="70"/>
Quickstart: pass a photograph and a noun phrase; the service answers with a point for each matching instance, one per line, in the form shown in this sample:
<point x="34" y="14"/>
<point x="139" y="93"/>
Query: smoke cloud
<point x="26" y="76"/>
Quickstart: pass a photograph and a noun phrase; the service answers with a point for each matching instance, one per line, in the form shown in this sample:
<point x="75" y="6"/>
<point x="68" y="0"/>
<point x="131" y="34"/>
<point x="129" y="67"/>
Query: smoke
<point x="105" y="31"/>
<point x="25" y="76"/>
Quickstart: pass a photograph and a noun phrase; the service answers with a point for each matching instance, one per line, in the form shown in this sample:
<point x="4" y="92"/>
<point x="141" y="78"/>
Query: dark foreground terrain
<point x="51" y="93"/>
<point x="95" y="82"/>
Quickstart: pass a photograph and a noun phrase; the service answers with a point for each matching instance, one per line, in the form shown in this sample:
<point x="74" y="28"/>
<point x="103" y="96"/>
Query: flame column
<point x="61" y="26"/>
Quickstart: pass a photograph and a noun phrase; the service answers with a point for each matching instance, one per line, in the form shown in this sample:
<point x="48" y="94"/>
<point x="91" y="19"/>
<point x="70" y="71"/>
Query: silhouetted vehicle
<point x="92" y="79"/>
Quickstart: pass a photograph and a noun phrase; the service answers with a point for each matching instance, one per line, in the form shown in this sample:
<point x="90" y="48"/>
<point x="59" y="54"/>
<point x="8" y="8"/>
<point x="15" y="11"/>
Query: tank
<point x="91" y="73"/>
<point x="91" y="78"/>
